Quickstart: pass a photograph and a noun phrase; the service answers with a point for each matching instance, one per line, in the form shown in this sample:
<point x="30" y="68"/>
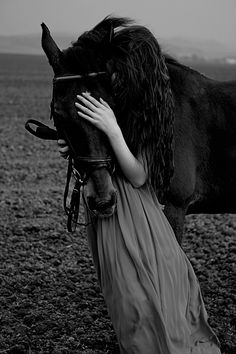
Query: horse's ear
<point x="51" y="50"/>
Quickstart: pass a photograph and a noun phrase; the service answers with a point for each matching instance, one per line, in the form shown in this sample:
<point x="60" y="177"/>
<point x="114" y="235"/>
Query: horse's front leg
<point x="176" y="217"/>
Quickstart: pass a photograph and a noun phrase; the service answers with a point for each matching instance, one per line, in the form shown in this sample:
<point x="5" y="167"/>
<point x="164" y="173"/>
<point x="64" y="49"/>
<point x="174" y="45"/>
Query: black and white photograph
<point x="117" y="177"/>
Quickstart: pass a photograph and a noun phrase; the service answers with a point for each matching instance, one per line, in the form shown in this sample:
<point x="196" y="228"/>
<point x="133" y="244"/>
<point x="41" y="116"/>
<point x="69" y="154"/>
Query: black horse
<point x="182" y="122"/>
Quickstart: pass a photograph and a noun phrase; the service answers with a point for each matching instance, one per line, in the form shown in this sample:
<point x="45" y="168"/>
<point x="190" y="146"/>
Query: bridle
<point x="74" y="161"/>
<point x="72" y="210"/>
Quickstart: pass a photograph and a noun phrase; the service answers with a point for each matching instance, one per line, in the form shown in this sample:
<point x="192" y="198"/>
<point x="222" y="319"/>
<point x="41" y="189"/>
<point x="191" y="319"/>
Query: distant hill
<point x="179" y="47"/>
<point x="208" y="49"/>
<point x="31" y="44"/>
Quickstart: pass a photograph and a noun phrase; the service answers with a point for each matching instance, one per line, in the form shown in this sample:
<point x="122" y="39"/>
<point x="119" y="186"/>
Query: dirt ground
<point x="49" y="298"/>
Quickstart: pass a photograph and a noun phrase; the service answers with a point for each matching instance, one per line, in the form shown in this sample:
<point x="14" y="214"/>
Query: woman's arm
<point x="102" y="116"/>
<point x="131" y="167"/>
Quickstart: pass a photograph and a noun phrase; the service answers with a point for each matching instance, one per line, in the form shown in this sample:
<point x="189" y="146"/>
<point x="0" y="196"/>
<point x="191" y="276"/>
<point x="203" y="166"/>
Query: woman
<point x="151" y="291"/>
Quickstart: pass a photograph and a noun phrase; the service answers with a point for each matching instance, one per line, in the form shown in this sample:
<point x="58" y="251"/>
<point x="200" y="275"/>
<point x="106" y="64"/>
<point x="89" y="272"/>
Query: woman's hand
<point x="99" y="113"/>
<point x="101" y="116"/>
<point x="63" y="148"/>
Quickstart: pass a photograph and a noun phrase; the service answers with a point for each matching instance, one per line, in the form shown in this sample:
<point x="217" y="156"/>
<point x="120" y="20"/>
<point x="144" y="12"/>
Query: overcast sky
<point x="203" y="19"/>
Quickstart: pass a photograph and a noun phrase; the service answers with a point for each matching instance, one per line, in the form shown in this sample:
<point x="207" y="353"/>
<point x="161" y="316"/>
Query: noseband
<point x="91" y="163"/>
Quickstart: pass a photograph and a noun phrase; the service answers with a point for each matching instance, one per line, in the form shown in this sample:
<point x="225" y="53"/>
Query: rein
<point x="42" y="131"/>
<point x="72" y="211"/>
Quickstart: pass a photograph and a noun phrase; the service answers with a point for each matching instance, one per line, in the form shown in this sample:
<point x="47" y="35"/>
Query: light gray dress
<point x="149" y="286"/>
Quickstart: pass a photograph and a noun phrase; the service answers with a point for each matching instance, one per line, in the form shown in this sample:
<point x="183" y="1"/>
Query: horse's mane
<point x="169" y="60"/>
<point x="142" y="93"/>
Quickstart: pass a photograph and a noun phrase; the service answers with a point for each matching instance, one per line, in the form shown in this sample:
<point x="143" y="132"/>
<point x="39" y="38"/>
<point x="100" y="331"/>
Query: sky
<point x="198" y="19"/>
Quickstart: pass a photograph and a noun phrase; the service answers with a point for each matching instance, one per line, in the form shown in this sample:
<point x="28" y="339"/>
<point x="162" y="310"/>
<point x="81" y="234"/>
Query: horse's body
<point x="204" y="128"/>
<point x="204" y="178"/>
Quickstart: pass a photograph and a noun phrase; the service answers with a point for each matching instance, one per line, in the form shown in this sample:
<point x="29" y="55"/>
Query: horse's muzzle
<point x="103" y="207"/>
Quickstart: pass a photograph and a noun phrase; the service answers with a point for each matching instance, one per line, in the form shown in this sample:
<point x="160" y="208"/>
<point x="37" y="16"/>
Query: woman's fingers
<point x="61" y="142"/>
<point x="87" y="102"/>
<point x="62" y="146"/>
<point x="105" y="103"/>
<point x="87" y="117"/>
<point x="86" y="110"/>
<point x="64" y="155"/>
<point x="93" y="100"/>
<point x="63" y="149"/>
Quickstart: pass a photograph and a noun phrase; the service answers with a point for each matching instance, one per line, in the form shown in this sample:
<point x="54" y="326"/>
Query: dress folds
<point x="149" y="286"/>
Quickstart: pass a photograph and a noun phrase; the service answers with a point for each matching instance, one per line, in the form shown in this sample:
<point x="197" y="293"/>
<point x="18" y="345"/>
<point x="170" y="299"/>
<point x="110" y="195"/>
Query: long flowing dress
<point x="149" y="286"/>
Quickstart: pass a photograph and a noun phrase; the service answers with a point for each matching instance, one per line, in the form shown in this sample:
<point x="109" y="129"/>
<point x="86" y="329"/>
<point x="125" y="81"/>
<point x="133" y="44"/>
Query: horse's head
<point x="81" y="68"/>
<point x="143" y="102"/>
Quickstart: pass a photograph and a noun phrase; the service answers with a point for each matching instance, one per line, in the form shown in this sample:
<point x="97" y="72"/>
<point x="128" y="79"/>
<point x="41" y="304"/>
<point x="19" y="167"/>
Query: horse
<point x="183" y="123"/>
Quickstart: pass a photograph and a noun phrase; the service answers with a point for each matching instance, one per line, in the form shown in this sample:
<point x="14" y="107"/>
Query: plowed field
<point x="49" y="298"/>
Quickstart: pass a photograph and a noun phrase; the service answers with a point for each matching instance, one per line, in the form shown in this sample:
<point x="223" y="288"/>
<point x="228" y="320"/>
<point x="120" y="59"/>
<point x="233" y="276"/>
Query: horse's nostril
<point x="102" y="205"/>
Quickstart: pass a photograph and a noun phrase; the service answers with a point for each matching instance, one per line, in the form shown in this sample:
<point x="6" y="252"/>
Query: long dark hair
<point x="144" y="101"/>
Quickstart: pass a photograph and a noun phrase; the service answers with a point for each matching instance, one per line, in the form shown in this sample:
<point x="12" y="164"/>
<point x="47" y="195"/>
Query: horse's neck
<point x="186" y="82"/>
<point x="227" y="94"/>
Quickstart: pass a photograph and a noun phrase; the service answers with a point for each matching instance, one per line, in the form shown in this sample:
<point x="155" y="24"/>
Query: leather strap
<point x="42" y="131"/>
